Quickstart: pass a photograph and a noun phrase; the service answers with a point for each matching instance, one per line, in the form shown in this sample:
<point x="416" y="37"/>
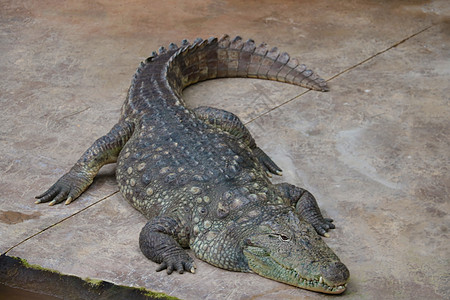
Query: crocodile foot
<point x="67" y="188"/>
<point x="267" y="163"/>
<point x="322" y="225"/>
<point x="179" y="262"/>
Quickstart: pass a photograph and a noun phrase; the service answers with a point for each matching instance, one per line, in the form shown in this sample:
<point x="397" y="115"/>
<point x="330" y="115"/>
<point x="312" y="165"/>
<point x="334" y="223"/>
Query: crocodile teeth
<point x="320" y="279"/>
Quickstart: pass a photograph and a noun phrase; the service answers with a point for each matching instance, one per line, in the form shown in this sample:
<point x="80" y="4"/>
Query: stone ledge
<point x="17" y="273"/>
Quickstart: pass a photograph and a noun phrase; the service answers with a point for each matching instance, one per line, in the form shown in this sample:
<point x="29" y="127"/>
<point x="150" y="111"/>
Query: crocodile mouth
<point x="267" y="266"/>
<point x="313" y="284"/>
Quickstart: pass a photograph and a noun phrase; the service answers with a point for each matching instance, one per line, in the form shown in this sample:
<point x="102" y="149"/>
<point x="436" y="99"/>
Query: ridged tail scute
<point x="225" y="57"/>
<point x="192" y="63"/>
<point x="245" y="59"/>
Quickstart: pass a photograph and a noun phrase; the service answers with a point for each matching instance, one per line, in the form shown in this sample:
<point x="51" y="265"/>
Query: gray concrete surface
<point x="374" y="150"/>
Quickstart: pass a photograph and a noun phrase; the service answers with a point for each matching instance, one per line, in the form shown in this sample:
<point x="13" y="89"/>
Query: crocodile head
<point x="287" y="249"/>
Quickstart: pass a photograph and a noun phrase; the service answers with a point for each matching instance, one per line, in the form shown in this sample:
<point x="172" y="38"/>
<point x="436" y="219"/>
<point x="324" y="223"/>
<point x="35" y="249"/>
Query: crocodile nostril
<point x="335" y="273"/>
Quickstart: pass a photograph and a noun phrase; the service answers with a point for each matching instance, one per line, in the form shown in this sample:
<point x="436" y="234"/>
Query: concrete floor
<point x="375" y="150"/>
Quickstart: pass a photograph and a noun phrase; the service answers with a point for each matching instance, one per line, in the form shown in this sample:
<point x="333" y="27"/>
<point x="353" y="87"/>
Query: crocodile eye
<point x="283" y="237"/>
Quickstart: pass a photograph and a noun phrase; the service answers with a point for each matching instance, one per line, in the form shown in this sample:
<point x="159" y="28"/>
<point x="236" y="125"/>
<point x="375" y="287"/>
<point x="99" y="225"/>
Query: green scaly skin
<point x="199" y="177"/>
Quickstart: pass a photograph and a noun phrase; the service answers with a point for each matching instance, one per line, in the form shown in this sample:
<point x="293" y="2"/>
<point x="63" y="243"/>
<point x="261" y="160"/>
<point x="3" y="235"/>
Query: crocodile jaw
<point x="263" y="264"/>
<point x="260" y="262"/>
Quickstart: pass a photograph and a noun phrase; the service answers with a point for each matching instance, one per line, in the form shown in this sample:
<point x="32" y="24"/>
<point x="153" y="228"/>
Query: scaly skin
<point x="199" y="177"/>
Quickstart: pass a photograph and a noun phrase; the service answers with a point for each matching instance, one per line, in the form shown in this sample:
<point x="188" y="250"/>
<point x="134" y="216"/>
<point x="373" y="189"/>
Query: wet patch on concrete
<point x="15" y="217"/>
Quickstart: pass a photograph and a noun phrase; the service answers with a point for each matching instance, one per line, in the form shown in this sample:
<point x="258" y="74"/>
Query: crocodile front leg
<point x="104" y="150"/>
<point x="229" y="122"/>
<point x="306" y="206"/>
<point x="157" y="243"/>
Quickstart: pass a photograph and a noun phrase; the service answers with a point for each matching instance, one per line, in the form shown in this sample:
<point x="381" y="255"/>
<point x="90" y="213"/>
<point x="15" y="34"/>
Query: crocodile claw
<point x="267" y="163"/>
<point x="177" y="265"/>
<point x="67" y="189"/>
<point x="324" y="226"/>
<point x="68" y="201"/>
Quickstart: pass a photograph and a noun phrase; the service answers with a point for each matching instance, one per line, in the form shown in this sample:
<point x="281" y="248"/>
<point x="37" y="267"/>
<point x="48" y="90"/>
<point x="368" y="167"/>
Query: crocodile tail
<point x="218" y="58"/>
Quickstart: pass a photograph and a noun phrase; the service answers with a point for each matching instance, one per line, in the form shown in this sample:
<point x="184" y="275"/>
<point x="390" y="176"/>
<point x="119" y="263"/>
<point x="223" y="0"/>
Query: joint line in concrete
<point x="345" y="71"/>
<point x="60" y="221"/>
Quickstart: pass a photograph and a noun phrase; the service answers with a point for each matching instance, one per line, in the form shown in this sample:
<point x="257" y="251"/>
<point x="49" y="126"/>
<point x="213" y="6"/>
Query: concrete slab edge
<point x="17" y="273"/>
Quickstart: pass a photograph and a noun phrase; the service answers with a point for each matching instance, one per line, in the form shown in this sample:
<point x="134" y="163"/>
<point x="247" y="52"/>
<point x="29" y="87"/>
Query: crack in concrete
<point x="345" y="71"/>
<point x="61" y="221"/>
<point x="74" y="113"/>
<point x="381" y="52"/>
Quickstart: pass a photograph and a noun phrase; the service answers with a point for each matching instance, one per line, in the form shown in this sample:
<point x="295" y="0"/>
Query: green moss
<point x="27" y="265"/>
<point x="154" y="295"/>
<point x="96" y="283"/>
<point x="93" y="282"/>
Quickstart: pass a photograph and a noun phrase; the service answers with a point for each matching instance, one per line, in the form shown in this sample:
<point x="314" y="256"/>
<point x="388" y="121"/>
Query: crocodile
<point x="199" y="177"/>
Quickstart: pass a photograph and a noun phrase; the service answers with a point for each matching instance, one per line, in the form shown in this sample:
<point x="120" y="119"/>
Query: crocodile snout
<point x="335" y="274"/>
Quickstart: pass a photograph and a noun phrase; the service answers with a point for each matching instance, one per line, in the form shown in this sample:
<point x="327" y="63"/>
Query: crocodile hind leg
<point x="104" y="150"/>
<point x="158" y="243"/>
<point x="306" y="206"/>
<point x="231" y="123"/>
